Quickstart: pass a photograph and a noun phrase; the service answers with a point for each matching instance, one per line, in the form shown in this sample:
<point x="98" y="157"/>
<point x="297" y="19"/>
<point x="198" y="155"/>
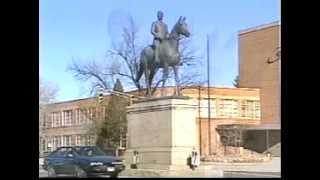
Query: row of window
<point x="52" y="143"/>
<point x="49" y="144"/>
<point x="246" y="109"/>
<point x="70" y="117"/>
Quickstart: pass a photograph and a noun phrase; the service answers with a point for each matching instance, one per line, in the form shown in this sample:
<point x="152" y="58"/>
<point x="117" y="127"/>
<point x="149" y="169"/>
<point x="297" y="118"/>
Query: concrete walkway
<point x="154" y="173"/>
<point x="272" y="166"/>
<point x="209" y="169"/>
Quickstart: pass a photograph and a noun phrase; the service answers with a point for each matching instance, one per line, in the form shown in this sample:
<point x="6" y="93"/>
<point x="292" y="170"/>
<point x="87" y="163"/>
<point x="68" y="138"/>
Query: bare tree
<point x="191" y="65"/>
<point x="127" y="53"/>
<point x="47" y="94"/>
<point x="91" y="71"/>
<point x="122" y="61"/>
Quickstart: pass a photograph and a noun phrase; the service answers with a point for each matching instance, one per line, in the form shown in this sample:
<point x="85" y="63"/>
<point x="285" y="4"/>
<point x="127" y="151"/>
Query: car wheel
<point x="114" y="175"/>
<point x="51" y="172"/>
<point x="79" y="172"/>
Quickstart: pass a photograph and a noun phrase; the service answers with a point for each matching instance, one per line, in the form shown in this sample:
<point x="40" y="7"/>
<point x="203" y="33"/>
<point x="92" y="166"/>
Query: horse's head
<point x="182" y="27"/>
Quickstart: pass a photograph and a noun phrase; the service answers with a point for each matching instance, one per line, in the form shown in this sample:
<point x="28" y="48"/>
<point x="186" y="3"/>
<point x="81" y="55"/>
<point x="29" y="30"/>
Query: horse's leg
<point x="153" y="71"/>
<point x="176" y="76"/>
<point x="164" y="77"/>
<point x="147" y="74"/>
<point x="140" y="72"/>
<point x="146" y="77"/>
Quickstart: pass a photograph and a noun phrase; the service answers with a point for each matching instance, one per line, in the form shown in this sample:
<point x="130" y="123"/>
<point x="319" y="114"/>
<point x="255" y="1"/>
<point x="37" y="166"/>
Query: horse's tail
<point x="139" y="72"/>
<point x="140" y="68"/>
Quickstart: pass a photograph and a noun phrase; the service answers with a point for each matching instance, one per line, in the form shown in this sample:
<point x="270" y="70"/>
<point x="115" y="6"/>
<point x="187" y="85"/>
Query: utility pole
<point x="208" y="93"/>
<point x="199" y="114"/>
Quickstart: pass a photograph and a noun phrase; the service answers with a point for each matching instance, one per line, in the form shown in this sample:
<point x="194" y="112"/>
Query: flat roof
<point x="256" y="28"/>
<point x="264" y="127"/>
<point x="71" y="101"/>
<point x="133" y="91"/>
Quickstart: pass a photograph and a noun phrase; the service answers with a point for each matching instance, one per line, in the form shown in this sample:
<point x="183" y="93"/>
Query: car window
<point x="90" y="151"/>
<point x="61" y="152"/>
<point x="53" y="154"/>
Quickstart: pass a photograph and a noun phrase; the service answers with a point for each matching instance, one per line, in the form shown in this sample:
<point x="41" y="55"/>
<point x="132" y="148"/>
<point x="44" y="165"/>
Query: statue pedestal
<point x="164" y="132"/>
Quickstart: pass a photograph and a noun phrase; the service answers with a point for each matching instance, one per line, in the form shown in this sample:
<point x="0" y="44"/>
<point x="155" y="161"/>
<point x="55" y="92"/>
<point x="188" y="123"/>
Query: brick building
<point x="67" y="123"/>
<point x="229" y="107"/>
<point x="259" y="67"/>
<point x="70" y="123"/>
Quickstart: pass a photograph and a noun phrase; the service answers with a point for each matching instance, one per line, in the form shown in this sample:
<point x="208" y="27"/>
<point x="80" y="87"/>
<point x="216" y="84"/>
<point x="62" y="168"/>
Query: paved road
<point x="252" y="174"/>
<point x="226" y="175"/>
<point x="43" y="173"/>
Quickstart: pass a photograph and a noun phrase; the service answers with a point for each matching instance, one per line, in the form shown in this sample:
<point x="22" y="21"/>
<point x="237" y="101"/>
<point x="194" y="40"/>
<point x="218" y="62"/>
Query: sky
<point x="85" y="29"/>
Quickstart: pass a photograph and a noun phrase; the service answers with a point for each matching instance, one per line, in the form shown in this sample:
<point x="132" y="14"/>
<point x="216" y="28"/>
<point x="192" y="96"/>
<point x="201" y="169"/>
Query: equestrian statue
<point x="163" y="53"/>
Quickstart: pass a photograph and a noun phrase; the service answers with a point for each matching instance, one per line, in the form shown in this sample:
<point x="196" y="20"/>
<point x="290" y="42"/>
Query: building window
<point x="67" y="140"/>
<point x="83" y="116"/>
<point x="56" y="119"/>
<point x="78" y="140"/>
<point x="67" y="116"/>
<point x="228" y="108"/>
<point x="92" y="113"/>
<point x="49" y="123"/>
<point x="82" y="140"/>
<point x="88" y="115"/>
<point x="89" y="140"/>
<point x="57" y="142"/>
<point x="250" y="109"/>
<point x="244" y="108"/>
<point x="44" y="121"/>
<point x="257" y="110"/>
<point x="204" y="108"/>
<point x="77" y="116"/>
<point x="43" y="145"/>
<point x="49" y="144"/>
<point x="73" y="140"/>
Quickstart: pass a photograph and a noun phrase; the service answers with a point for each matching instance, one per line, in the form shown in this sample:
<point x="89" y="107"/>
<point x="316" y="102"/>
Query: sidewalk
<point x="209" y="169"/>
<point x="272" y="166"/>
<point x="42" y="172"/>
<point x="154" y="173"/>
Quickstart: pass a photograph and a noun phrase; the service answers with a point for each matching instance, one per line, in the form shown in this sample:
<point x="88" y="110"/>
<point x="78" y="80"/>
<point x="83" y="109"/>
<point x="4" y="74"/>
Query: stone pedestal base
<point x="164" y="132"/>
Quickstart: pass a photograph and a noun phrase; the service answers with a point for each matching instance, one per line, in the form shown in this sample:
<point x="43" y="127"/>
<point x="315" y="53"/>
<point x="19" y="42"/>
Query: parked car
<point x="82" y="161"/>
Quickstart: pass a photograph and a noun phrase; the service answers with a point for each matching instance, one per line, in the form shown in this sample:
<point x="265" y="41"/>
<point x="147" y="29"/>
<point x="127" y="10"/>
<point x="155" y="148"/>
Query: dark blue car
<point x="82" y="161"/>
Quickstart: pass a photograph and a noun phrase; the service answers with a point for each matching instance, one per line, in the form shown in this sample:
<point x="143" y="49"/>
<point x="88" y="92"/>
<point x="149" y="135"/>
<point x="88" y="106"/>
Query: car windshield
<point x="90" y="151"/>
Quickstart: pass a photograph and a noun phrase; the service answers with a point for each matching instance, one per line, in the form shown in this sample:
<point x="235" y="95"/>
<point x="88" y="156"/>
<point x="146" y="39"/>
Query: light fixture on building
<point x="100" y="98"/>
<point x="278" y="52"/>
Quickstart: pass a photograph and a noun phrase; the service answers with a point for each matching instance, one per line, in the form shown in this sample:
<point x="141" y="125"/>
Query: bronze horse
<point x="168" y="55"/>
